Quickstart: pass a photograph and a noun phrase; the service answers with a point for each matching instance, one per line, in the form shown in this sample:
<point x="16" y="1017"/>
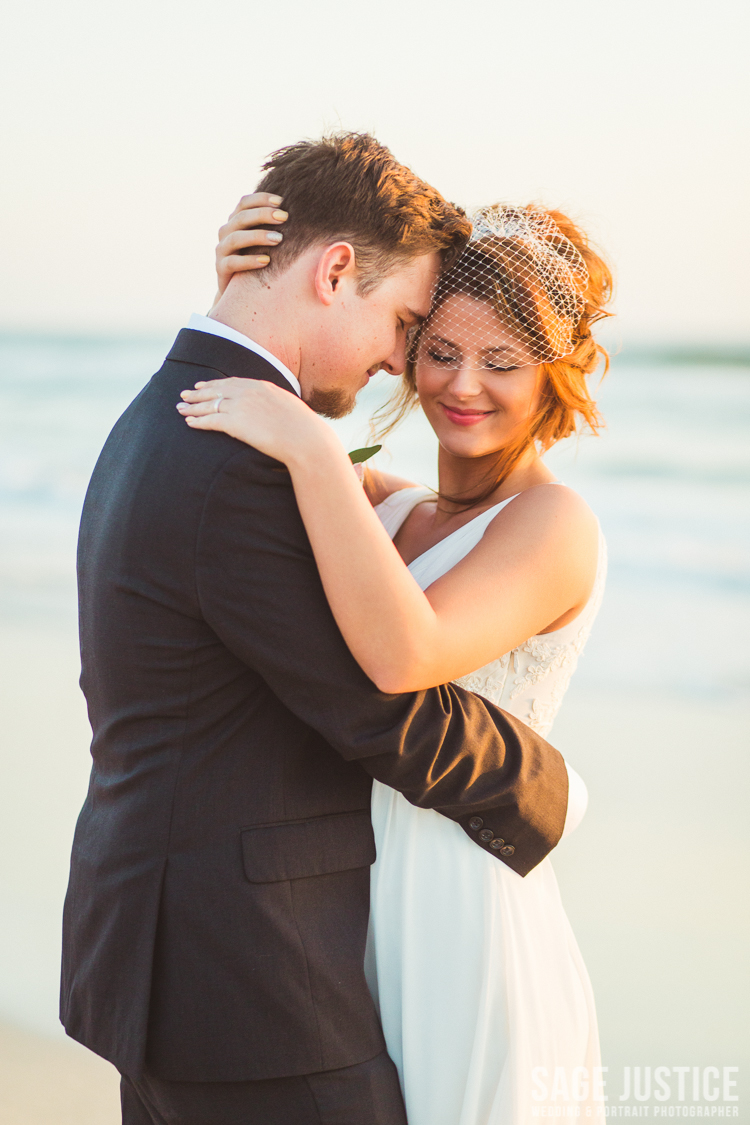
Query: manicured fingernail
<point x="182" y="406"/>
<point x="275" y="200"/>
<point x="262" y="259"/>
<point x="280" y="215"/>
<point x="274" y="236"/>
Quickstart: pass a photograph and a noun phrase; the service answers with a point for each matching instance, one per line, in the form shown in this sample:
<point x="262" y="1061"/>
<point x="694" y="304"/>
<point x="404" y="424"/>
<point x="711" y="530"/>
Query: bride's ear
<point x="336" y="267"/>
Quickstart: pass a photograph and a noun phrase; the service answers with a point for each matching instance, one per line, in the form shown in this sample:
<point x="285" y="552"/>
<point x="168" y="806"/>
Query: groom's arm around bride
<point x="217" y="912"/>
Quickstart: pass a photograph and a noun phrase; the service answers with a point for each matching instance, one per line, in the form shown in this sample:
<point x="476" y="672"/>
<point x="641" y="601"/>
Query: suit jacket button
<point x="486" y="835"/>
<point x="497" y="845"/>
<point x="475" y="823"/>
<point x="507" y="850"/>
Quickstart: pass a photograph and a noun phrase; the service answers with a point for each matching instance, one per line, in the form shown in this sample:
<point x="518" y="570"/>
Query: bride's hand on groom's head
<point x="261" y="414"/>
<point x="242" y="244"/>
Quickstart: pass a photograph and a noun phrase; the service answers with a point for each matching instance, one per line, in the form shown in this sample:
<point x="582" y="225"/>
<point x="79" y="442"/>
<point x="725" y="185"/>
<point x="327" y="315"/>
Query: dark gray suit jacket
<point x="217" y="909"/>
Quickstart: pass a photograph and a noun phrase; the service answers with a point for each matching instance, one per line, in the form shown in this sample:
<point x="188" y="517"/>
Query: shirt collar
<point x="199" y="323"/>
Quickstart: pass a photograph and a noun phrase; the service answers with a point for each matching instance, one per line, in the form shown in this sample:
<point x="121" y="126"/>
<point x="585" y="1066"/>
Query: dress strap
<point x="396" y="507"/>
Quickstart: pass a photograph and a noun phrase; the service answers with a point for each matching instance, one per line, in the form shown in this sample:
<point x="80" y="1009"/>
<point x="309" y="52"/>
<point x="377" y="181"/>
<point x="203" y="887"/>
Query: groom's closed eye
<point x="411" y="319"/>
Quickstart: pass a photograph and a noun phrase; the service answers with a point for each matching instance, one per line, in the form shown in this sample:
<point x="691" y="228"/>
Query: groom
<point x="216" y="916"/>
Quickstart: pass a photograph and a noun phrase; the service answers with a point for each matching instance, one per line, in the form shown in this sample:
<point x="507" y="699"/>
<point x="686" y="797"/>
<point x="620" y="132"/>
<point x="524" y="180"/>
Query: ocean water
<point x="657" y="718"/>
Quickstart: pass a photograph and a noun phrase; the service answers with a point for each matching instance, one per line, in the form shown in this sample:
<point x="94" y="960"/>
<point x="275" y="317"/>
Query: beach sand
<point x="46" y="1081"/>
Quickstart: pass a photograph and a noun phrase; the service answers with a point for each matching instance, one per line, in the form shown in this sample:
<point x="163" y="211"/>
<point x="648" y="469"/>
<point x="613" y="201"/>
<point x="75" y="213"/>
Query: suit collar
<point x="224" y="357"/>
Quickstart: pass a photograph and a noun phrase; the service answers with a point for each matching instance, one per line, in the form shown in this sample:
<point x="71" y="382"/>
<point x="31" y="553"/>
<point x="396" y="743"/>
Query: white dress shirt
<point x="198" y="323"/>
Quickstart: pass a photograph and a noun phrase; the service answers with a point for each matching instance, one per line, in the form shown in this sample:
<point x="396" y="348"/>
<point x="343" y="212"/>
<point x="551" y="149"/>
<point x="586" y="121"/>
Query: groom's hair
<point x="348" y="187"/>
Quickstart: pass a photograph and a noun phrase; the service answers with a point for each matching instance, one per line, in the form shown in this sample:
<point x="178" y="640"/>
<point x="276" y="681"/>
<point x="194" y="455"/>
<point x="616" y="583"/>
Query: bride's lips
<point x="464" y="417"/>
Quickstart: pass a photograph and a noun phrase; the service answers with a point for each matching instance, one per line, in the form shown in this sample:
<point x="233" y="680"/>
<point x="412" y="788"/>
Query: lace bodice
<point x="530" y="681"/>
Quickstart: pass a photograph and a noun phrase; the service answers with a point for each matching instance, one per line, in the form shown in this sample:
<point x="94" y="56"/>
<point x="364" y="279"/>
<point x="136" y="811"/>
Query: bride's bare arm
<point x="533" y="565"/>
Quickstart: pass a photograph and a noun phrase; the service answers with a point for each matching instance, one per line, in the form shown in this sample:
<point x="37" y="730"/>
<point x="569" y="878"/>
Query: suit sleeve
<point x="444" y="748"/>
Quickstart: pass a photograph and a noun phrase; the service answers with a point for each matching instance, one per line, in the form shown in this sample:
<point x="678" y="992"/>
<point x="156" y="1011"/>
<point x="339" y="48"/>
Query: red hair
<point x="566" y="405"/>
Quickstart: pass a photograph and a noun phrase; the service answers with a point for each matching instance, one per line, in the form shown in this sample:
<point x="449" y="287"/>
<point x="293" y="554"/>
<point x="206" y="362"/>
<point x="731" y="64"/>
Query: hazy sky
<point x="130" y="129"/>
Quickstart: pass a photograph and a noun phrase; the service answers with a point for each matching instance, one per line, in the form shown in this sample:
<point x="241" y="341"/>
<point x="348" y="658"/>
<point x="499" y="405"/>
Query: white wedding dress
<point x="475" y="970"/>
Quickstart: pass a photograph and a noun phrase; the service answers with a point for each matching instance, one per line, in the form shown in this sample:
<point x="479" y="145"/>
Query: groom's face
<point x="356" y="336"/>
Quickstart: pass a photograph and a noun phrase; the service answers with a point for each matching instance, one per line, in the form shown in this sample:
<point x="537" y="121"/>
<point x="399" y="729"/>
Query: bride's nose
<point x="466" y="381"/>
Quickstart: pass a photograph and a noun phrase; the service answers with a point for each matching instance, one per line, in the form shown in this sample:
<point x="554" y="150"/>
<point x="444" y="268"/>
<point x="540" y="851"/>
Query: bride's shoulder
<point x="379" y="486"/>
<point x="550" y="512"/>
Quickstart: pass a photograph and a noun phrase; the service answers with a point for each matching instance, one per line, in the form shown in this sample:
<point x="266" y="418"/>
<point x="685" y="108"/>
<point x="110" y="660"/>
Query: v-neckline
<point x="417" y="558"/>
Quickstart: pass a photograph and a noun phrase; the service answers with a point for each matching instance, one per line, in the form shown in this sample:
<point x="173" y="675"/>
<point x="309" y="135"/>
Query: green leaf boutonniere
<point x="357" y="456"/>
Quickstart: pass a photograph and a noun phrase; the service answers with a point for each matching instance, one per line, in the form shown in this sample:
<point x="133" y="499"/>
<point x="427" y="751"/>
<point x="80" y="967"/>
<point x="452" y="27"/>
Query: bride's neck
<point x="462" y="478"/>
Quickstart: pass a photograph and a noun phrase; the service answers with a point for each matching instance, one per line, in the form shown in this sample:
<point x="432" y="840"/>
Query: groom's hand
<point x="242" y="232"/>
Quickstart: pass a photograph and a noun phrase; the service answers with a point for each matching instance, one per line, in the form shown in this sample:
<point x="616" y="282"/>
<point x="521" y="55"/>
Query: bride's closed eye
<point x="442" y="357"/>
<point x="446" y="360"/>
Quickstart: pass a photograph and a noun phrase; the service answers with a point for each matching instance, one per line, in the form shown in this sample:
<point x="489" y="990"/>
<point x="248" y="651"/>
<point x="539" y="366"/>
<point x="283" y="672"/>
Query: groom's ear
<point x="336" y="267"/>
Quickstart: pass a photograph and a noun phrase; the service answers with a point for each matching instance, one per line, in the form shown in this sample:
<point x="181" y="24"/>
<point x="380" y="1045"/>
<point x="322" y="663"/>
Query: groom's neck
<point x="264" y="313"/>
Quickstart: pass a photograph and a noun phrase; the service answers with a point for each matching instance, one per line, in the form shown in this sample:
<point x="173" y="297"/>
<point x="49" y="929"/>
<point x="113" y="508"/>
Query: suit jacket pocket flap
<point x="302" y="848"/>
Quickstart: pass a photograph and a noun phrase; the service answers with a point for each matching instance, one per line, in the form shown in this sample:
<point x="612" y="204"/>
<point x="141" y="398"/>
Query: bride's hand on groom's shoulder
<point x="261" y="414"/>
<point x="244" y="244"/>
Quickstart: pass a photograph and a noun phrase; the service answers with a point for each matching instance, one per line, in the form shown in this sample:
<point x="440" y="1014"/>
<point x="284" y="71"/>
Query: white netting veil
<point x="513" y="297"/>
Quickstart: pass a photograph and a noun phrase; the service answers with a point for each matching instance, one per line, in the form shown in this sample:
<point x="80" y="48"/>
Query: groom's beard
<point x="336" y="403"/>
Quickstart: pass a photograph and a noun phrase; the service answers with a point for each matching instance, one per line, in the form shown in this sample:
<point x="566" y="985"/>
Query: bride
<point x="493" y="581"/>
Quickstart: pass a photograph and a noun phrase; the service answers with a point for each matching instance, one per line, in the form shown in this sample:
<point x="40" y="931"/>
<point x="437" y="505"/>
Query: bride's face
<point x="476" y="384"/>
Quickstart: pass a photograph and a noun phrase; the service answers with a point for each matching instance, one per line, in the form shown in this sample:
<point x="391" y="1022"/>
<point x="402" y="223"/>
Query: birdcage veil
<point x="520" y="263"/>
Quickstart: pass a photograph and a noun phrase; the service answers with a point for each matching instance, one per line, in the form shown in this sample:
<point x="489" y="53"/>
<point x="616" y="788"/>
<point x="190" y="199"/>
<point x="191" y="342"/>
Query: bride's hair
<point x="506" y="273"/>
